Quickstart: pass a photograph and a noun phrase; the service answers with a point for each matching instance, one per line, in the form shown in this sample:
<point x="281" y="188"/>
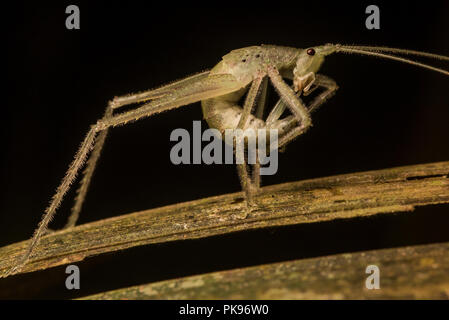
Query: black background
<point x="59" y="81"/>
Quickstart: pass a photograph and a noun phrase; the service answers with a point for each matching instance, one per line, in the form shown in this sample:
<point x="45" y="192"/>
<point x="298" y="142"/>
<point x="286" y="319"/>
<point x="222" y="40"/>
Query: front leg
<point x="295" y="104"/>
<point x="321" y="81"/>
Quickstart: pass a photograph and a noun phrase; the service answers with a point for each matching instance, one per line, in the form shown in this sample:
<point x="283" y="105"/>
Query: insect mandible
<point x="242" y="71"/>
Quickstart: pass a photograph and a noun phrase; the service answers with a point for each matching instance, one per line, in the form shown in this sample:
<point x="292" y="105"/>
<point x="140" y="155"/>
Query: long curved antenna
<point x="351" y="49"/>
<point x="400" y="51"/>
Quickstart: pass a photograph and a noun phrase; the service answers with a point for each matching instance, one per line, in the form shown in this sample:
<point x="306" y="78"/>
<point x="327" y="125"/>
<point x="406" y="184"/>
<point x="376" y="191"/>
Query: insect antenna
<point x="379" y="52"/>
<point x="400" y="51"/>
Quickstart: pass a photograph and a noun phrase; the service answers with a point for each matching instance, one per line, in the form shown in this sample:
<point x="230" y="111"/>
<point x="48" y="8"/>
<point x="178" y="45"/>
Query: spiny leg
<point x="261" y="104"/>
<point x="330" y="87"/>
<point x="89" y="171"/>
<point x="116" y="103"/>
<point x="276" y="112"/>
<point x="289" y="97"/>
<point x="256" y="173"/>
<point x="248" y="185"/>
<point x="206" y="88"/>
<point x="321" y="81"/>
<point x="250" y="102"/>
<point x="196" y="91"/>
<point x="263" y="97"/>
<point x="68" y="179"/>
<point x="158" y="92"/>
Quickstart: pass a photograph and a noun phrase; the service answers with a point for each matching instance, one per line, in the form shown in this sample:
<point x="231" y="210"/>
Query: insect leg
<point x="88" y="173"/>
<point x="330" y="87"/>
<point x="295" y="105"/>
<point x="202" y="89"/>
<point x="263" y="99"/>
<point x="280" y="107"/>
<point x="256" y="180"/>
<point x="116" y="103"/>
<point x="249" y="186"/>
<point x="159" y="92"/>
<point x="250" y="102"/>
<point x="256" y="174"/>
<point x="68" y="179"/>
<point x="276" y="112"/>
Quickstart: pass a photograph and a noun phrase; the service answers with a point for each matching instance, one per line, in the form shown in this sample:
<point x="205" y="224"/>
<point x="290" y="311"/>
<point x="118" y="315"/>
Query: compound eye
<point x="311" y="52"/>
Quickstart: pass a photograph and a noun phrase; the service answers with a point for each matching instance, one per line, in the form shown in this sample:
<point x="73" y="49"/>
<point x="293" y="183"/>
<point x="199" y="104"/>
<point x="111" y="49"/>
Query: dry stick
<point x="323" y="199"/>
<point x="417" y="272"/>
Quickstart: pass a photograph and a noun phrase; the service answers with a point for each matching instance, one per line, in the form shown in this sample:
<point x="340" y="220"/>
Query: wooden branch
<point x="323" y="199"/>
<point x="419" y="272"/>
